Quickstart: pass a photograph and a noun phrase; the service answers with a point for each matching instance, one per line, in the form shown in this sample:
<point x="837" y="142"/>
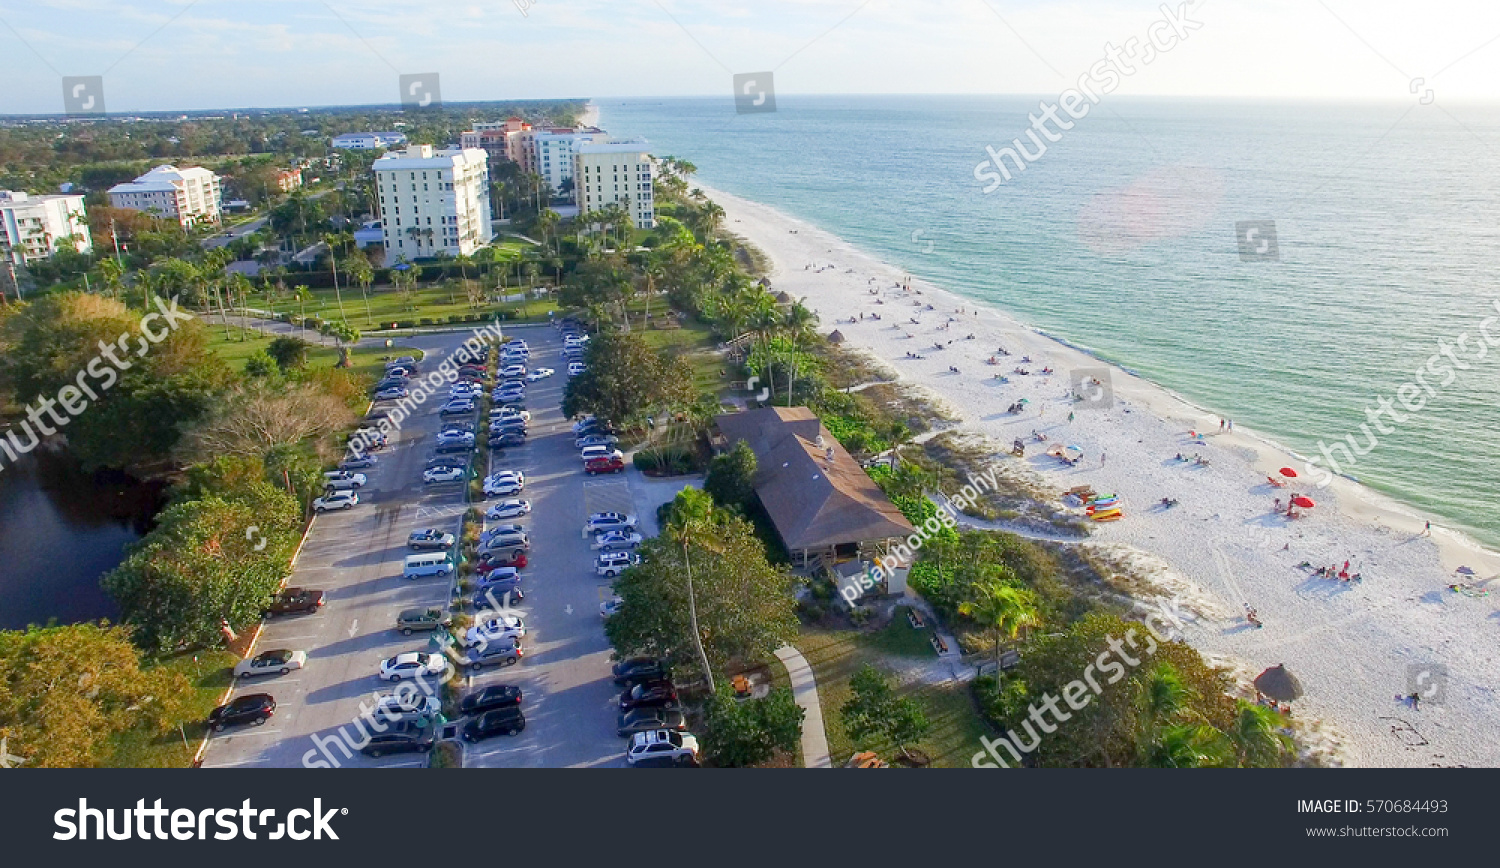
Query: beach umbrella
<point x="1304" y="502"/>
<point x="1466" y="571"/>
<point x="1289" y="473"/>
<point x="1279" y="684"/>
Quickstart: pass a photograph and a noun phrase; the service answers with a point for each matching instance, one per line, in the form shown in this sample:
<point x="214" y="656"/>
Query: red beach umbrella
<point x="1304" y="502"/>
<point x="1289" y="473"/>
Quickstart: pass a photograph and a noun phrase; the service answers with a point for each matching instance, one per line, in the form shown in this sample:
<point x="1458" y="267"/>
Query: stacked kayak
<point x="1104" y="507"/>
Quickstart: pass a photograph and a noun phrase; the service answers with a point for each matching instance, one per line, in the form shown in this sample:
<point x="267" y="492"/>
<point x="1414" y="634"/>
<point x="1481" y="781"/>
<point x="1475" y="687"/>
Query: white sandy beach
<point x="1350" y="643"/>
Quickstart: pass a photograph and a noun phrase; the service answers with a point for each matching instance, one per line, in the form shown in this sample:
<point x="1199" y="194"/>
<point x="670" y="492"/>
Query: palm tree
<point x="302" y="295"/>
<point x="1005" y="608"/>
<point x="1189" y="746"/>
<point x="333" y="241"/>
<point x="345" y="335"/>
<point x="1256" y="736"/>
<point x="798" y="323"/>
<point x="546" y="222"/>
<point x="358" y="268"/>
<point x="691" y="519"/>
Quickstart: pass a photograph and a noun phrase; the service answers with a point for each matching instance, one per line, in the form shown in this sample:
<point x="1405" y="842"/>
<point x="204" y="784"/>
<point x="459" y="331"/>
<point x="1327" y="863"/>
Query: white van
<point x="427" y="564"/>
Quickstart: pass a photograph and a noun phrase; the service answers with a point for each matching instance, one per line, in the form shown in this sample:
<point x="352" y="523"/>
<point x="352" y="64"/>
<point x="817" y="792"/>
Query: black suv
<point x="490" y="699"/>
<point x="507" y="721"/>
<point x="255" y="708"/>
<point x="640" y="669"/>
<point x="405" y="736"/>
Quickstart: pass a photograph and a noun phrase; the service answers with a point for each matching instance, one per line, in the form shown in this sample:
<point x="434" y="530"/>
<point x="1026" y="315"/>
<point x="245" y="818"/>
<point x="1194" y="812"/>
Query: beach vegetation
<point x="747" y="732"/>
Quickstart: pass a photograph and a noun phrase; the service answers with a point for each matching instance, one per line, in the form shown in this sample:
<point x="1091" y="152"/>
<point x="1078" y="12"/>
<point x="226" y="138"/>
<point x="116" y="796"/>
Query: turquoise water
<point x="1122" y="238"/>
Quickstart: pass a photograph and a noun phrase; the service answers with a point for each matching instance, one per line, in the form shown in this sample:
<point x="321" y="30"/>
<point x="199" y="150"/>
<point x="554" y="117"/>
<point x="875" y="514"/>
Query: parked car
<point x="539" y="374"/>
<point x="610" y="607"/>
<point x="496" y="598"/>
<point x="407" y="736"/>
<point x="513" y="370"/>
<point x="393" y="393"/>
<point x="459" y="461"/>
<point x="412" y="665"/>
<point x="504" y="652"/>
<point x="612" y="563"/>
<point x="491" y="698"/>
<point x="408" y="706"/>
<point x="509" y="413"/>
<point x="652" y="694"/>
<point x="335" y="500"/>
<point x="293" y="600"/>
<point x="648" y="720"/>
<point x="499" y="530"/>
<point x="601" y="521"/>
<point x="639" y="667"/>
<point x="464" y="391"/>
<point x="447" y="438"/>
<point x="443" y="474"/>
<point x="508" y="509"/>
<point x="277" y="662"/>
<point x="595" y="466"/>
<point x="616" y="539"/>
<point x="502" y="488"/>
<point x="584" y="441"/>
<point x="255" y="708"/>
<point x="512" y="556"/>
<point x="662" y="746"/>
<point x="430" y="538"/>
<point x="589" y="452"/>
<point x="503" y="721"/>
<point x="358" y="462"/>
<point x="458" y="407"/>
<point x="340" y="480"/>
<point x="456" y="447"/>
<point x="498" y="577"/>
<point x="509" y="423"/>
<point x="421" y="620"/>
<point x="576" y="368"/>
<point x="459" y="426"/>
<point x="496" y="629"/>
<point x="508" y="440"/>
<point x="402" y="362"/>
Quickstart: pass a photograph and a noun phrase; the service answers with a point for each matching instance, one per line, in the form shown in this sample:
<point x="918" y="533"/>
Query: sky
<point x="180" y="55"/>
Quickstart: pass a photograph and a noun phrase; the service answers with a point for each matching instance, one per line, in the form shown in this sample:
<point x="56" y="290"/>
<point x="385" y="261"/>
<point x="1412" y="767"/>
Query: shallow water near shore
<point x="1121" y="239"/>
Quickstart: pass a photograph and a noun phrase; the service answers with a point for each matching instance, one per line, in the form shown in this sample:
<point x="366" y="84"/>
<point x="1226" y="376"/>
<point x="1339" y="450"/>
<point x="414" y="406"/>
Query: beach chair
<point x="1278" y="483"/>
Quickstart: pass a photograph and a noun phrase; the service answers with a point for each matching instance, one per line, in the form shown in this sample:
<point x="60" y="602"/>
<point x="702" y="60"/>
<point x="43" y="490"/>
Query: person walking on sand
<point x="1427" y="531"/>
<point x="1102" y="457"/>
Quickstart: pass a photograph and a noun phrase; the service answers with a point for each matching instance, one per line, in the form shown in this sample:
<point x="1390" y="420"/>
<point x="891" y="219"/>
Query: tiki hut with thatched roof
<point x="837" y="337"/>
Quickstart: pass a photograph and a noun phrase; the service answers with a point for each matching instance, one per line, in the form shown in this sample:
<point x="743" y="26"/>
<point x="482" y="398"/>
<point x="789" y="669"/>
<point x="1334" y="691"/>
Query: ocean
<point x="1125" y="238"/>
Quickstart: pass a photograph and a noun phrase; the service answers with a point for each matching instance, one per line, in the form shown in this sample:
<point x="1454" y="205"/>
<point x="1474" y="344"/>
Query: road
<point x="356" y="557"/>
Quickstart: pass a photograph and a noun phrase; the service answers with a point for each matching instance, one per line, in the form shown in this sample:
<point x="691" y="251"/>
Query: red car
<point x="603" y="465"/>
<point x="488" y="566"/>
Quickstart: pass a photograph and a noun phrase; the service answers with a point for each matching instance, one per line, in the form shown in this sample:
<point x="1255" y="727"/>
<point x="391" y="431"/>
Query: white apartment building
<point x="607" y="173"/>
<point x="367" y="141"/>
<point x="433" y="200"/>
<point x="554" y="153"/>
<point x="185" y="195"/>
<point x="33" y="227"/>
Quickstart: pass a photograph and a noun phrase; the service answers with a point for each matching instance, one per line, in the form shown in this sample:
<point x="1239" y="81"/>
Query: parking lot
<point x="356" y="557"/>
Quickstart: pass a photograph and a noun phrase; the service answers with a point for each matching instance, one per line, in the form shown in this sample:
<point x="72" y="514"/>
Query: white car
<point x="586" y="440"/>
<point x="395" y="393"/>
<point x="508" y="509"/>
<point x="515" y="370"/>
<point x="465" y="390"/>
<point x="512" y="475"/>
<point x="336" y="500"/>
<point x="494" y="630"/>
<point x="278" y="662"/>
<point x="397" y="706"/>
<point x="583" y="423"/>
<point x="413" y="665"/>
<point x="444" y="474"/>
<point x="661" y="744"/>
<point x="616" y="539"/>
<point x="500" y="414"/>
<point x="343" y="479"/>
<point x="601" y="521"/>
<point x="576" y="368"/>
<point x="612" y="563"/>
<point x="588" y="453"/>
<point x="503" y="487"/>
<point x="539" y="374"/>
<point x="464" y="437"/>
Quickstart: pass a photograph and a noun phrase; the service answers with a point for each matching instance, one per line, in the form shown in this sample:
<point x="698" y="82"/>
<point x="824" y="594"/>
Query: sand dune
<point x="1353" y="645"/>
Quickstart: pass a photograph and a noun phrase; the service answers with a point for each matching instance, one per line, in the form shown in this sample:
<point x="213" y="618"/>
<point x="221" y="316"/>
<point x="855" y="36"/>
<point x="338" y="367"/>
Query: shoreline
<point x="1224" y="548"/>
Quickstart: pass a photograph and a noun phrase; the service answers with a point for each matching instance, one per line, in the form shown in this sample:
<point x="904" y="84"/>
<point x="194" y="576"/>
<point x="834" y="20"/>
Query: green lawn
<point x="695" y="341"/>
<point x="210" y="676"/>
<point x="386" y="306"/>
<point x="239" y="345"/>
<point x="835" y="655"/>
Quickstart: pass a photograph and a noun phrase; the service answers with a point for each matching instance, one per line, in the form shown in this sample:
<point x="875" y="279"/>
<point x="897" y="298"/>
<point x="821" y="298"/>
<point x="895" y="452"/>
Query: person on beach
<point x="1427" y="531"/>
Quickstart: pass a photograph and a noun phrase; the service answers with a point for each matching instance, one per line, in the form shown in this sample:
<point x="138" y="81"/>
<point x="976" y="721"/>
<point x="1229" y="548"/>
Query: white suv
<point x="602" y="521"/>
<point x="611" y="564"/>
<point x="661" y="744"/>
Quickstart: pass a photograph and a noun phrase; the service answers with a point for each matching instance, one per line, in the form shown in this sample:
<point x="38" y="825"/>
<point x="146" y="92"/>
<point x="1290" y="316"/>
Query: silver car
<point x="278" y="662"/>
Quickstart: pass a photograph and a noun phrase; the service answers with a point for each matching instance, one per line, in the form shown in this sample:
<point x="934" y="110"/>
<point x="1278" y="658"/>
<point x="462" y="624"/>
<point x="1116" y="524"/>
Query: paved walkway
<point x="805" y="690"/>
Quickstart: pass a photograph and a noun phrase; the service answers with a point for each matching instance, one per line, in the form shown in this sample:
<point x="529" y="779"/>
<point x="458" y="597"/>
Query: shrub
<point x="405" y="324"/>
<point x="426" y="321"/>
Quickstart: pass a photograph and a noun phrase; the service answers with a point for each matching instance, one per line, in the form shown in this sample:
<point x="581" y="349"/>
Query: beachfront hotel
<point x="610" y="173"/>
<point x="367" y="141"/>
<point x="554" y="153"/>
<point x="188" y="196"/>
<point x="500" y="140"/>
<point x="433" y="201"/>
<point x="33" y="227"/>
